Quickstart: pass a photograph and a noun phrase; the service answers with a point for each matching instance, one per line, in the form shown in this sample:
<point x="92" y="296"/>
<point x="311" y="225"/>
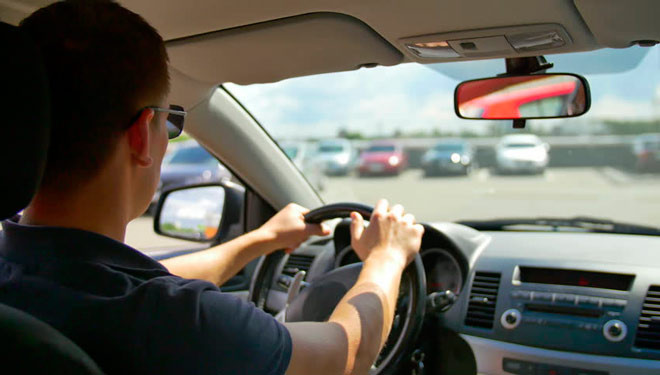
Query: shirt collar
<point x="24" y="243"/>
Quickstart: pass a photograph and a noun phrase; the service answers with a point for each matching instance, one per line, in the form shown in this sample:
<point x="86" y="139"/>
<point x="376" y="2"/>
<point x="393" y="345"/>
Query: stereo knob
<point x="511" y="319"/>
<point x="615" y="330"/>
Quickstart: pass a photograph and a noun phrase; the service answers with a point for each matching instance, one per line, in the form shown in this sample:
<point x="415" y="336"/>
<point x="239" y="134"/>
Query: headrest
<point x="25" y="120"/>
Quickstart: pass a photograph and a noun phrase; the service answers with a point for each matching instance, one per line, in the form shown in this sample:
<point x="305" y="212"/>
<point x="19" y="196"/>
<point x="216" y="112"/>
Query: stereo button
<point x="518" y="367"/>
<point x="511" y="319"/>
<point x="541" y="296"/>
<point x="521" y="294"/>
<point x="614" y="302"/>
<point x="552" y="370"/>
<point x="620" y="302"/>
<point x="615" y="330"/>
<point x="565" y="298"/>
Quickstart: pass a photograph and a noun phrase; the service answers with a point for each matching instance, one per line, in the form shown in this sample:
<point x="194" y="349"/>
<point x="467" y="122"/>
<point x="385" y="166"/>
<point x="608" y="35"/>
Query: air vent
<point x="483" y="299"/>
<point x="648" y="330"/>
<point x="297" y="263"/>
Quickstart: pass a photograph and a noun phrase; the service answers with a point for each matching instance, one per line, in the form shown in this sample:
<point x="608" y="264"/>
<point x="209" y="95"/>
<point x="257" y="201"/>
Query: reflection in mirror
<point x="523" y="97"/>
<point x="193" y="213"/>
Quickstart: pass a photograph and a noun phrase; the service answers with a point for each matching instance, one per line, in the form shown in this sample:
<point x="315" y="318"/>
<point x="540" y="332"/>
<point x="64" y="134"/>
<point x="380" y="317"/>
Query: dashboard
<point x="526" y="302"/>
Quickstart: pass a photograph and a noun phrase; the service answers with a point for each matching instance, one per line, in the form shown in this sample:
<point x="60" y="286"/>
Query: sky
<point x="415" y="97"/>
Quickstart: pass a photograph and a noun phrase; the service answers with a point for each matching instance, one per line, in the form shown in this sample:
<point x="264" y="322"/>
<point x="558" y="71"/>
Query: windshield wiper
<point x="584" y="223"/>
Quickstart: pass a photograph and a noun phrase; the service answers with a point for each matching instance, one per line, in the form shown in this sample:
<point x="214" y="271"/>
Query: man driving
<point x="64" y="260"/>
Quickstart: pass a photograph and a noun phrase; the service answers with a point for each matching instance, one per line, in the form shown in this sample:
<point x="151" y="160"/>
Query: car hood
<point x="528" y="153"/>
<point x="378" y="156"/>
<point x="335" y="156"/>
<point x="435" y="155"/>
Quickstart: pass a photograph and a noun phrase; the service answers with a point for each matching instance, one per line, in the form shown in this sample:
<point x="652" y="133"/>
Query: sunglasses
<point x="175" y="117"/>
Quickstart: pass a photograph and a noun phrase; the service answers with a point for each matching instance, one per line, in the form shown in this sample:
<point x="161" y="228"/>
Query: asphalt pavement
<point x="559" y="192"/>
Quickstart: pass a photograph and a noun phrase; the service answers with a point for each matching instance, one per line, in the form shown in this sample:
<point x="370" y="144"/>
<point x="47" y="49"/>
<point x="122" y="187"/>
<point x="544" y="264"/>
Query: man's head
<point x="105" y="64"/>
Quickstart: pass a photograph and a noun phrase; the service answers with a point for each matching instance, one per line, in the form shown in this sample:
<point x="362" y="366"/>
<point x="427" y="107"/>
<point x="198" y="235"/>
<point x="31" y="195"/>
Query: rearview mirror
<point x="523" y="97"/>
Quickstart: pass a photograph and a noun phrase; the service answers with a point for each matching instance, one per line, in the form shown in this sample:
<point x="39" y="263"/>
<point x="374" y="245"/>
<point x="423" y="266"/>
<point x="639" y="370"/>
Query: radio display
<point x="589" y="279"/>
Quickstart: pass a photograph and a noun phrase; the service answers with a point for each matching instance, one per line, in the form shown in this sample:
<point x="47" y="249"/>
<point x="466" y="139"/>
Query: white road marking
<point x="615" y="175"/>
<point x="483" y="174"/>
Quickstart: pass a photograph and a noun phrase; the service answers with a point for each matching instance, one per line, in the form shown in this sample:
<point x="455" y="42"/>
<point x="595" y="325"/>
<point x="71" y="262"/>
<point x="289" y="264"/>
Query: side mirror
<point x="536" y="96"/>
<point x="202" y="213"/>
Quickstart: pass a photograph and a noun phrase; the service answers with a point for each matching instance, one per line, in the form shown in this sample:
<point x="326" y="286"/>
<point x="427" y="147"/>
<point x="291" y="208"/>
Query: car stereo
<point x="566" y="309"/>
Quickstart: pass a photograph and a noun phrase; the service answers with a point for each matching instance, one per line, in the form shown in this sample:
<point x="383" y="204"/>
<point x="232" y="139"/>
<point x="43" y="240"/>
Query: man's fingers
<point x="397" y="210"/>
<point x="408" y="219"/>
<point x="316" y="230"/>
<point x="357" y="226"/>
<point x="381" y="208"/>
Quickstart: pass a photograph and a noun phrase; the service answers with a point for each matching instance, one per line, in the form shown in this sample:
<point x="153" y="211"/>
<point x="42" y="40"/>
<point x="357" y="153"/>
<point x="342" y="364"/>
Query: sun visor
<point x="621" y="23"/>
<point x="275" y="50"/>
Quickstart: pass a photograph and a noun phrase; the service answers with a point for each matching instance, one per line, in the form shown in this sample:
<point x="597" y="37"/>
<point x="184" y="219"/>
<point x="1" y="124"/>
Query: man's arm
<point x="350" y="341"/>
<point x="285" y="230"/>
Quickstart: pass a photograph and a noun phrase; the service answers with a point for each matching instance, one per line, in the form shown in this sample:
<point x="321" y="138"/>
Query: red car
<point x="382" y="158"/>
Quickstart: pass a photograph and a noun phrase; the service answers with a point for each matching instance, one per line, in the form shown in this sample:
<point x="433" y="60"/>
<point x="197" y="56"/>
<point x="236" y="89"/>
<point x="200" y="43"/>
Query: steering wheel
<point x="317" y="301"/>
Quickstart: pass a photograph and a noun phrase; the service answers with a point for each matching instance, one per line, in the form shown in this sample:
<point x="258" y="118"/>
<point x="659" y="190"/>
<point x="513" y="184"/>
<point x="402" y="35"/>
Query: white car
<point x="522" y="153"/>
<point x="337" y="156"/>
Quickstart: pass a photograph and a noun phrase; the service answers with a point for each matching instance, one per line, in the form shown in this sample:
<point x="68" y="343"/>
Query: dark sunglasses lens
<point x="173" y="131"/>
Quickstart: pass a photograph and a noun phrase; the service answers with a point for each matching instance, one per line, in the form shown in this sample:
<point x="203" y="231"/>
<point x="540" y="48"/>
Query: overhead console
<point x="516" y="41"/>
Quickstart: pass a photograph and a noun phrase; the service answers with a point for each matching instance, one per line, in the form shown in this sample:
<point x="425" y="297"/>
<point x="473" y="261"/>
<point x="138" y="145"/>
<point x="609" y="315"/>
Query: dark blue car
<point x="449" y="157"/>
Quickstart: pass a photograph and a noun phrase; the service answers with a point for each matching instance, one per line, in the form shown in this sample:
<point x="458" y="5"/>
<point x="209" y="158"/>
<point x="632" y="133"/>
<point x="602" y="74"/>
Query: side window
<point x="185" y="163"/>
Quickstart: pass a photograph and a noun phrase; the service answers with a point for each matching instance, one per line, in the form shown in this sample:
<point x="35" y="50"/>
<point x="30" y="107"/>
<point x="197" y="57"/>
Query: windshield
<point x="449" y="148"/>
<point x="600" y="165"/>
<point x="381" y="148"/>
<point x="330" y="149"/>
<point x="519" y="145"/>
<point x="191" y="155"/>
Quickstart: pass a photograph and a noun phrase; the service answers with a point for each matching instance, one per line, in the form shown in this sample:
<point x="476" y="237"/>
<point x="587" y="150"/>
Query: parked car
<point x="449" y="156"/>
<point x="382" y="157"/>
<point x="337" y="156"/>
<point x="646" y="148"/>
<point x="303" y="156"/>
<point x="187" y="164"/>
<point x="522" y="153"/>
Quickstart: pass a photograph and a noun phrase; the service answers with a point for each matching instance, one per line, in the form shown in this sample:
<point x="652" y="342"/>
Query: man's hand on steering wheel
<point x="287" y="229"/>
<point x="391" y="233"/>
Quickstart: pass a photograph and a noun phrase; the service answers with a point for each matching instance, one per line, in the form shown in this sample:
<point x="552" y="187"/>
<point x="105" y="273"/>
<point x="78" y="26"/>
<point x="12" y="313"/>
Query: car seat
<point x="28" y="344"/>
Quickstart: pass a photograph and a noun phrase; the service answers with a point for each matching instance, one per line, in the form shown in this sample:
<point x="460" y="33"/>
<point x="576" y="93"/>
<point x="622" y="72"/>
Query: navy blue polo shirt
<point x="128" y="313"/>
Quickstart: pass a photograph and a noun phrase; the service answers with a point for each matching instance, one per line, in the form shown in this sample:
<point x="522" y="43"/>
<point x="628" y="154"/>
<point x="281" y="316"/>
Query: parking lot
<point x="599" y="192"/>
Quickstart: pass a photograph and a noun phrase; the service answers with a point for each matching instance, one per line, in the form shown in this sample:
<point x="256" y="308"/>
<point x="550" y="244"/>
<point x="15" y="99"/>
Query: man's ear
<point x="138" y="138"/>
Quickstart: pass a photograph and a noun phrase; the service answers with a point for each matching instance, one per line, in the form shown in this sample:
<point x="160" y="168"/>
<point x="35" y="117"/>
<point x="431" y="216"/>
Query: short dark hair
<point x="102" y="61"/>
